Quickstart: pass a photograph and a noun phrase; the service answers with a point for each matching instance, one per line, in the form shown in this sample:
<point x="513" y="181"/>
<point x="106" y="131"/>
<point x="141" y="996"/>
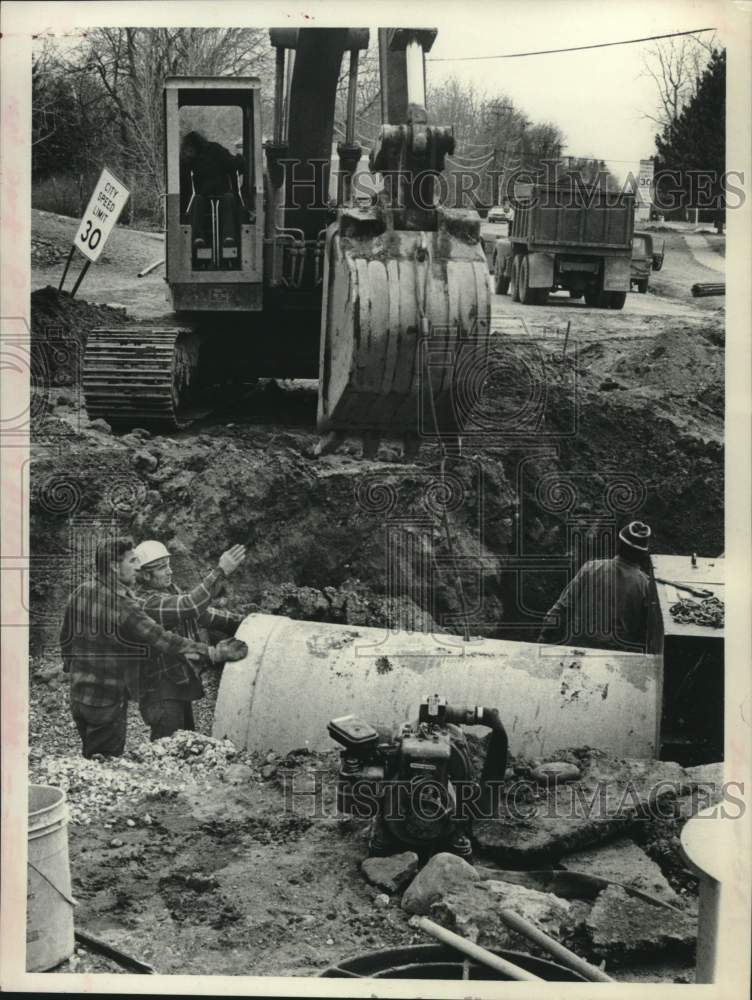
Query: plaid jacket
<point x="107" y="640"/>
<point x="165" y="675"/>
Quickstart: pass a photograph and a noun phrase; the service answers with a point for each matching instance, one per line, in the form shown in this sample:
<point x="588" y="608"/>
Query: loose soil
<point x="175" y="864"/>
<point x="624" y="412"/>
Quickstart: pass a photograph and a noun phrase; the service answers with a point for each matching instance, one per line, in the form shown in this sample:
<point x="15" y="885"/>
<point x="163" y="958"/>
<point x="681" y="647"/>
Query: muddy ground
<point x="593" y="414"/>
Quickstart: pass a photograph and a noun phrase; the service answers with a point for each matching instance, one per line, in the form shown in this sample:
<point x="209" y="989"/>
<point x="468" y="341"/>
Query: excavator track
<point x="137" y="376"/>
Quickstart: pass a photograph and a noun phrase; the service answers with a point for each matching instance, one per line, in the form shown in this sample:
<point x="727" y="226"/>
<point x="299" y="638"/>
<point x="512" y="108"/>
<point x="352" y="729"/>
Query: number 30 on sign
<point x="102" y="212"/>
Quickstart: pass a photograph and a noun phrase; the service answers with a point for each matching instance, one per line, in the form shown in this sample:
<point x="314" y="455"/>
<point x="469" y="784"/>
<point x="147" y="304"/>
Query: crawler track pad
<point x="140" y="376"/>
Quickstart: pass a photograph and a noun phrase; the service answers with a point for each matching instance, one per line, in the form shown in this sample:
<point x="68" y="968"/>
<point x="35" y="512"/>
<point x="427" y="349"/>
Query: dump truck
<point x="271" y="277"/>
<point x="566" y="236"/>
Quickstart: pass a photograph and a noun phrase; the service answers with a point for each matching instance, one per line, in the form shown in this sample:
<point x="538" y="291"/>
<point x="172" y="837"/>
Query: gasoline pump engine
<point x="418" y="786"/>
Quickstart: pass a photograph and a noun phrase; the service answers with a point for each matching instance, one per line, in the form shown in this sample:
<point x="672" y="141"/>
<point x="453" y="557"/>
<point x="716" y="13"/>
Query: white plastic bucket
<point x="49" y="904"/>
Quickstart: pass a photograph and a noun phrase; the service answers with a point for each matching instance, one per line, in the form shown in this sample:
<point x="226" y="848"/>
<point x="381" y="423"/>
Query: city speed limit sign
<point x="102" y="212"/>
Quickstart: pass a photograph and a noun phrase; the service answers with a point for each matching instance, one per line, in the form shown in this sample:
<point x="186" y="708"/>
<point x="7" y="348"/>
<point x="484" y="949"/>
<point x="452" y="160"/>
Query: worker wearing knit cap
<point x="606" y="604"/>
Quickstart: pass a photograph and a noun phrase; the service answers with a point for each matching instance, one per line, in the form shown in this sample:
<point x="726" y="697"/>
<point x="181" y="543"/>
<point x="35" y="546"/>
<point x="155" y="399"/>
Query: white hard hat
<point x="149" y="552"/>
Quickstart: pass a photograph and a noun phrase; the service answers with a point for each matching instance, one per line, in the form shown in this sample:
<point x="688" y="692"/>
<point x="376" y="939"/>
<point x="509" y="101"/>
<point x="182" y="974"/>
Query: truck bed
<point x="569" y="219"/>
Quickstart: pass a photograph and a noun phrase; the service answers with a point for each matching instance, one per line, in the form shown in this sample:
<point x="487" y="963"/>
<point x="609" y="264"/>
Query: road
<point x="689" y="258"/>
<point x="114" y="280"/>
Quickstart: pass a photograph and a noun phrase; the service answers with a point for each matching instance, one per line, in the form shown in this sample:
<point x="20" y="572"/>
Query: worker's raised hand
<point x="231" y="559"/>
<point x="229" y="650"/>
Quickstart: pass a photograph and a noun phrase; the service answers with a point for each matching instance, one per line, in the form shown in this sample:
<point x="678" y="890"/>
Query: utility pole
<point x="497" y="110"/>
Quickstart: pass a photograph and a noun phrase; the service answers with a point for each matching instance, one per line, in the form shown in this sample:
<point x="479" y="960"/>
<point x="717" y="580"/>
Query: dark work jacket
<point x="109" y="643"/>
<point x="604" y="606"/>
<point x="214" y="171"/>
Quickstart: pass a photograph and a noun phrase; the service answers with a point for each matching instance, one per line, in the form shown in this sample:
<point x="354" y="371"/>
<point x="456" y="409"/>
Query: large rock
<point x="706" y="783"/>
<point x="100" y="424"/>
<point x="706" y="774"/>
<point x="473" y="912"/>
<point x="538" y="825"/>
<point x="143" y="459"/>
<point x="556" y="772"/>
<point x="623" y="861"/>
<point x="443" y="873"/>
<point x="621" y="926"/>
<point x="391" y="874"/>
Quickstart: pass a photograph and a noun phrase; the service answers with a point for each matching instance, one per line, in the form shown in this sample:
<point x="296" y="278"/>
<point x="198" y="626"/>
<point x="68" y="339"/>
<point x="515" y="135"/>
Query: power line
<point x="574" y="48"/>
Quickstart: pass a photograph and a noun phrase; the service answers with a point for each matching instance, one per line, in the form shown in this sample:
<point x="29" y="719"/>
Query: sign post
<point x="644" y="192"/>
<point x="102" y="212"/>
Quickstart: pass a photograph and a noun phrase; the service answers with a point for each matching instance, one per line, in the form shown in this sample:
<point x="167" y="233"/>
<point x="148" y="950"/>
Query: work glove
<point x="231" y="559"/>
<point x="228" y="650"/>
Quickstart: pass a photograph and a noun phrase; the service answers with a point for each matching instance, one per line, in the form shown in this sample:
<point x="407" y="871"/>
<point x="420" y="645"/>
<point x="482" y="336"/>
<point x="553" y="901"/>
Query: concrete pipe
<point x="298" y="675"/>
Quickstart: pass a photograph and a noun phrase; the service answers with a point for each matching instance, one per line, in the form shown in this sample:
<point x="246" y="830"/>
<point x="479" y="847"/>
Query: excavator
<point x="373" y="296"/>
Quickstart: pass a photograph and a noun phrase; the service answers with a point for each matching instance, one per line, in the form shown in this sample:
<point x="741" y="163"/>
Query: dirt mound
<point x="319" y="546"/>
<point x="649" y="443"/>
<point x="682" y="367"/>
<point x="59" y="329"/>
<point x="621" y="428"/>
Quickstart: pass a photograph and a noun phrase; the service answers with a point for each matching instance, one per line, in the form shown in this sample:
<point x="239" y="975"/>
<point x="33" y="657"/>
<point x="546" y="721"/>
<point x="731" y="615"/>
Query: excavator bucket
<point x="398" y="307"/>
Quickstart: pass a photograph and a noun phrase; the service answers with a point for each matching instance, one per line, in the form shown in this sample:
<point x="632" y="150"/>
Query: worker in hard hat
<point x="170" y="684"/>
<point x="605" y="606"/>
<point x="103" y="633"/>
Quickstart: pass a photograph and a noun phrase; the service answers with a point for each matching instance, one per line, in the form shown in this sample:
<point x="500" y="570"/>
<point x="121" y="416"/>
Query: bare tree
<point x="675" y="65"/>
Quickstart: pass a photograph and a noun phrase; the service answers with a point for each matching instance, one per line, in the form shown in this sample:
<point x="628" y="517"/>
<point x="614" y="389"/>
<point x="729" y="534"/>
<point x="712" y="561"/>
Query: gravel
<point x="97" y="786"/>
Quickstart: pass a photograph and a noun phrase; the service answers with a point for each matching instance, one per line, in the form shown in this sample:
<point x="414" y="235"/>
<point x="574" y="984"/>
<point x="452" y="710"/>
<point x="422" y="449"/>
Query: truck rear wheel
<point x="515" y="278"/>
<point x="642" y="285"/>
<point x="530" y="296"/>
<point x="593" y="297"/>
<point x="615" y="300"/>
<point x="501" y="280"/>
<point x="526" y="295"/>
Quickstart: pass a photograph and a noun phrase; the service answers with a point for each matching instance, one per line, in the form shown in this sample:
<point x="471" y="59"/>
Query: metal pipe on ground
<point x="564" y="955"/>
<point x="702" y="289"/>
<point x="298" y="675"/>
<point x="150" y="268"/>
<point x="508" y="969"/>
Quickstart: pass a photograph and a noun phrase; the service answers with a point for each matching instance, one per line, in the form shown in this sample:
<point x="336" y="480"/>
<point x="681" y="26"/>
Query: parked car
<point x="642" y="261"/>
<point x="500" y="213"/>
<point x="495" y="225"/>
<point x="659" y="247"/>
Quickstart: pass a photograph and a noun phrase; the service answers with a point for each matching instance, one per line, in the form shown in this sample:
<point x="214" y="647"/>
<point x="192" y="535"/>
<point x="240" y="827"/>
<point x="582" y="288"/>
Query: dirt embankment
<point x="622" y="428"/>
<point x="225" y="877"/>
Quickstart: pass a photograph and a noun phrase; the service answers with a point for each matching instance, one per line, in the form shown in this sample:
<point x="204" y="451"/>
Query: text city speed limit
<point x="102" y="212"/>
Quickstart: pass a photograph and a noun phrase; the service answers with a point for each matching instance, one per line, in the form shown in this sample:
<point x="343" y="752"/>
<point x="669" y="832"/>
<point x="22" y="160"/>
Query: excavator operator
<point x="211" y="174"/>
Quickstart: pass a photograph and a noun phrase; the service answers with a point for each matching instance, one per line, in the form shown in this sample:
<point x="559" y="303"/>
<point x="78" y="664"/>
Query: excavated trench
<point x="619" y="427"/>
<point x="559" y="446"/>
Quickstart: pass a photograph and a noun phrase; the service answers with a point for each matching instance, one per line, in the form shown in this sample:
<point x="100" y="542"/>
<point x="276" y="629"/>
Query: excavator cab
<point x="214" y="183"/>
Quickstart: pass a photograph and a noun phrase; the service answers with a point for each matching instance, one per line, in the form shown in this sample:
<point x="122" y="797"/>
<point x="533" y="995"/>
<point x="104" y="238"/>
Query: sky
<point x="600" y="98"/>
